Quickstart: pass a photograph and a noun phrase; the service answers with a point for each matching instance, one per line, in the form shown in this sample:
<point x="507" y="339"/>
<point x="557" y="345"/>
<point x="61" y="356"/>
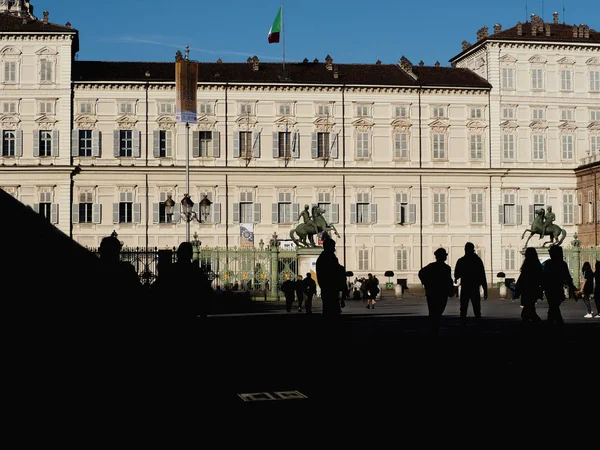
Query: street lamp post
<point x="187" y="211"/>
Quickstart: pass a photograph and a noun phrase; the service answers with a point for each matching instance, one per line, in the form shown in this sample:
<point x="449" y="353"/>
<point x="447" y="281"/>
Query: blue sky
<point x="351" y="31"/>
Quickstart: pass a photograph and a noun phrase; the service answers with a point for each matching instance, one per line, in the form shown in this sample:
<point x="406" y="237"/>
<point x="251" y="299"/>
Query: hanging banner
<point x="186" y="90"/>
<point x="246" y="235"/>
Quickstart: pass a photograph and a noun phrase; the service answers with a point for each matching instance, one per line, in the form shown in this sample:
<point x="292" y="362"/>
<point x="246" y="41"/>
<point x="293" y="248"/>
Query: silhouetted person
<point x="372" y="291"/>
<point x="437" y="279"/>
<point x="587" y="288"/>
<point x="310" y="290"/>
<point x="289" y="292"/>
<point x="332" y="278"/>
<point x="529" y="285"/>
<point x="299" y="287"/>
<point x="469" y="269"/>
<point x="555" y="277"/>
<point x="597" y="289"/>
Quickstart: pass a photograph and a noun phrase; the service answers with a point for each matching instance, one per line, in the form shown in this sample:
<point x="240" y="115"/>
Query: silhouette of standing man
<point x="556" y="275"/>
<point x="332" y="278"/>
<point x="437" y="279"/>
<point x="310" y="289"/>
<point x="469" y="269"/>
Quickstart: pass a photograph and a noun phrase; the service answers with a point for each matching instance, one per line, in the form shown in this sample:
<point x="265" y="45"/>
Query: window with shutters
<point x="476" y="144"/>
<point x="362" y="208"/>
<point x="45" y="205"/>
<point x="566" y="82"/>
<point x="284" y="142"/>
<point x="45" y="143"/>
<point x="400" y="111"/>
<point x="322" y="145"/>
<point x="508" y="146"/>
<point x="402" y="259"/>
<point x="163" y="217"/>
<point x="206" y="109"/>
<point x="438" y="112"/>
<point x="166" y="108"/>
<point x="10" y="72"/>
<point x="510" y="210"/>
<point x="476" y="113"/>
<point x="594" y="115"/>
<point x="86" y="108"/>
<point x="539" y="202"/>
<point x="595" y="80"/>
<point x="86" y="208"/>
<point x="539" y="147"/>
<point x="510" y="259"/>
<point x="284" y="208"/>
<point x="284" y="109"/>
<point x="590" y="207"/>
<point x="165" y="143"/>
<point x="362" y="144"/>
<point x="324" y="202"/>
<point x="477" y="208"/>
<point x="246" y="208"/>
<point x="125" y="143"/>
<point x="438" y="143"/>
<point x="404" y="212"/>
<point x="9" y="107"/>
<point x="439" y="208"/>
<point x="569" y="208"/>
<point x="537" y="79"/>
<point x="46" y="71"/>
<point x="595" y="145"/>
<point x="85" y="143"/>
<point x="538" y="114"/>
<point x="323" y="110"/>
<point x="126" y="207"/>
<point x="246" y="109"/>
<point x="508" y="78"/>
<point x="126" y="108"/>
<point x="567" y="146"/>
<point x="401" y="145"/>
<point x="245" y="144"/>
<point x="566" y="115"/>
<point x="9" y="142"/>
<point x="363" y="259"/>
<point x="45" y="107"/>
<point x="362" y="111"/>
<point x="508" y="113"/>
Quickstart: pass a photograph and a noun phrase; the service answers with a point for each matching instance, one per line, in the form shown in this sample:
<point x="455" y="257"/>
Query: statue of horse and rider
<point x="314" y="223"/>
<point x="543" y="224"/>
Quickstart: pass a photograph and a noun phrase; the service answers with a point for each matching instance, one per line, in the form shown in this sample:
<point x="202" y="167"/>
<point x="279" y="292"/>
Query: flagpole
<point x="282" y="34"/>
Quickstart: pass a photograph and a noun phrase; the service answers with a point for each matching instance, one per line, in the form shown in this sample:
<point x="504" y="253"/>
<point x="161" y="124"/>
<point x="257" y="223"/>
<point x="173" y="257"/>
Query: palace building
<point x="404" y="158"/>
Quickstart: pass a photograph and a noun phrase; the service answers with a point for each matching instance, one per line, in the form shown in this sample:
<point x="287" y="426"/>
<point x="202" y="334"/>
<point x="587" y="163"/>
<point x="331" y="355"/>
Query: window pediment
<point x="9" y="121"/>
<point x="401" y="124"/>
<point x="566" y="61"/>
<point x="539" y="124"/>
<point x="567" y="127"/>
<point x="537" y="59"/>
<point x="593" y="62"/>
<point x="10" y="51"/>
<point x="46" y="51"/>
<point x="508" y="59"/>
<point x="165" y="122"/>
<point x="476" y="124"/>
<point x="126" y="122"/>
<point x="285" y="122"/>
<point x="44" y="119"/>
<point x="510" y="124"/>
<point x="594" y="125"/>
<point x="249" y="121"/>
<point x="363" y="123"/>
<point x="324" y="124"/>
<point x="439" y="124"/>
<point x="86" y="122"/>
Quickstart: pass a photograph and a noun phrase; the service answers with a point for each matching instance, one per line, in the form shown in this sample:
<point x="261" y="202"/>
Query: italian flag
<point x="275" y="29"/>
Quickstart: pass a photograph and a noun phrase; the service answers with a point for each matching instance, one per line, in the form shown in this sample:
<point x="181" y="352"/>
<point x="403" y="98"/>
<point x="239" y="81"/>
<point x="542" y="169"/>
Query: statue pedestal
<point x="307" y="262"/>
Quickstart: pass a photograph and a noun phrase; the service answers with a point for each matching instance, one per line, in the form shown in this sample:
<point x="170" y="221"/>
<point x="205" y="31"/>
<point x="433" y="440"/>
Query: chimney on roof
<point x="336" y="75"/>
<point x="249" y="60"/>
<point x="482" y="33"/>
<point x="465" y="45"/>
<point x="437" y="64"/>
<point x="45" y="17"/>
<point x="315" y="60"/>
<point x="378" y="62"/>
<point x="305" y="60"/>
<point x="68" y="24"/>
<point x="255" y="63"/>
<point x="421" y="63"/>
<point x="329" y="62"/>
<point x="519" y="29"/>
<point x="547" y="29"/>
<point x="219" y="61"/>
<point x="497" y="28"/>
<point x="555" y="17"/>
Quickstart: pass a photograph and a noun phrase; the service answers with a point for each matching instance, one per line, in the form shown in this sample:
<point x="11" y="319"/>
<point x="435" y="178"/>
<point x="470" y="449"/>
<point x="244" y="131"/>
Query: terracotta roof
<point x="10" y="23"/>
<point x="296" y="73"/>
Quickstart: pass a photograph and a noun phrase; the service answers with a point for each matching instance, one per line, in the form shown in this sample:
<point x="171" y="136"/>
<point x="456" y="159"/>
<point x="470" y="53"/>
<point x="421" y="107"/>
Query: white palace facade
<point x="404" y="158"/>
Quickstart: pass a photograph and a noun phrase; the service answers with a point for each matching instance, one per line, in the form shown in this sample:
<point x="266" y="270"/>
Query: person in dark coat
<point x="555" y="277"/>
<point x="471" y="273"/>
<point x="372" y="291"/>
<point x="299" y="286"/>
<point x="437" y="279"/>
<point x="587" y="288"/>
<point x="597" y="289"/>
<point x="332" y="279"/>
<point x="289" y="291"/>
<point x="310" y="290"/>
<point x="529" y="285"/>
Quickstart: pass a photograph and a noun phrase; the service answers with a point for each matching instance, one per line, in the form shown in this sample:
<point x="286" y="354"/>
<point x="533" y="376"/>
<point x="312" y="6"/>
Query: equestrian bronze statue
<point x="543" y="225"/>
<point x="313" y="224"/>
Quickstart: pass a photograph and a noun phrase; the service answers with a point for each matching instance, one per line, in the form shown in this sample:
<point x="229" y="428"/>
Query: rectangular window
<point x="538" y="114"/>
<point x="439" y="146"/>
<point x="125" y="108"/>
<point x="165" y="108"/>
<point x="9" y="107"/>
<point x="568" y="208"/>
<point x="538" y="151"/>
<point x="285" y="144"/>
<point x="566" y="114"/>
<point x="439" y="207"/>
<point x="508" y="78"/>
<point x="402" y="259"/>
<point x="206" y="108"/>
<point x="86" y="108"/>
<point x="539" y="202"/>
<point x="402" y="210"/>
<point x="594" y="115"/>
<point x="45" y="143"/>
<point x="537" y="78"/>
<point x="246" y="144"/>
<point x="323" y="110"/>
<point x="126" y="143"/>
<point x="10" y="71"/>
<point x="594" y="145"/>
<point x="567" y="146"/>
<point x="590" y="207"/>
<point x="438" y="111"/>
<point x="45" y="206"/>
<point x="362" y="208"/>
<point x="322" y="145"/>
<point x="46" y="71"/>
<point x="476" y="143"/>
<point x="508" y="113"/>
<point x="363" y="259"/>
<point x="565" y="80"/>
<point x="46" y="107"/>
<point x="510" y="261"/>
<point x="126" y="207"/>
<point x="400" y="111"/>
<point x="246" y="108"/>
<point x="595" y="80"/>
<point x="85" y="143"/>
<point x="85" y="207"/>
<point x="9" y="142"/>
<point x="164" y="143"/>
<point x="477" y="208"/>
<point x="508" y="145"/>
<point x="246" y="212"/>
<point x="324" y="202"/>
<point x="362" y="145"/>
<point x="362" y="110"/>
<point x="476" y="113"/>
<point x="284" y="208"/>
<point x="401" y="145"/>
<point x="285" y="109"/>
<point x="509" y="209"/>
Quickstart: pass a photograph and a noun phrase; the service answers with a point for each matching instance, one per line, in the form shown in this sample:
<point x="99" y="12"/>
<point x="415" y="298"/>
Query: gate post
<point x="274" y="248"/>
<point x="576" y="245"/>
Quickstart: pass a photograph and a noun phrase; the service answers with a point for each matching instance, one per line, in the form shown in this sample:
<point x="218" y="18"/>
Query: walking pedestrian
<point x="470" y="271"/>
<point x="299" y="287"/>
<point x="288" y="290"/>
<point x="372" y="291"/>
<point x="529" y="285"/>
<point x="310" y="289"/>
<point x="437" y="279"/>
<point x="597" y="289"/>
<point x="332" y="279"/>
<point x="555" y="276"/>
<point x="587" y="288"/>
